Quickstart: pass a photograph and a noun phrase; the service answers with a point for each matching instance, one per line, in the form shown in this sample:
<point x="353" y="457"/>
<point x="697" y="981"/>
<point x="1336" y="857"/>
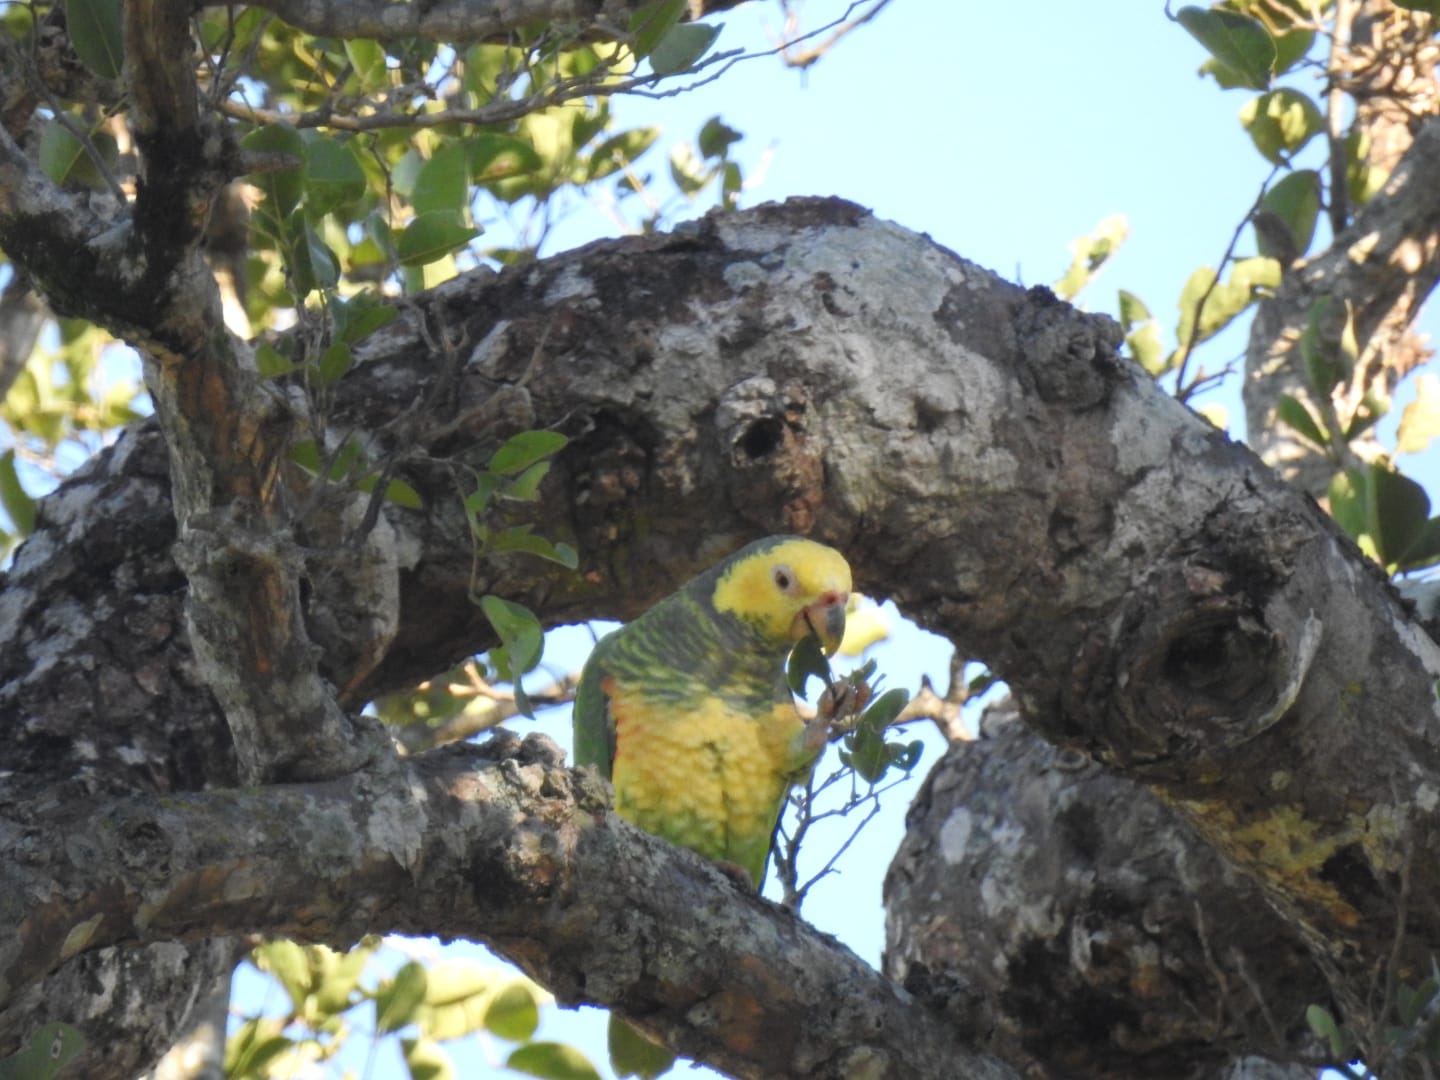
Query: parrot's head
<point x="787" y="587"/>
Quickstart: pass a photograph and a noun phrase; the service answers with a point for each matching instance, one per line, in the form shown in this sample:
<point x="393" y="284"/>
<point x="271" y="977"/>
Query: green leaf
<point x="496" y="157"/>
<point x="397" y="492"/>
<point x="282" y="187"/>
<point x="513" y="1013"/>
<point x="716" y="137"/>
<point x="398" y="1000"/>
<point x="1281" y="122"/>
<point x="884" y="709"/>
<point x="287" y="962"/>
<point x="249" y="1051"/>
<point x="1426" y="550"/>
<point x="1132" y="310"/>
<point x="1090" y="253"/>
<point x="519" y="633"/>
<point x="1329" y="357"/>
<point x="1400" y="509"/>
<point x="334" y="362"/>
<point x="1430" y="7"/>
<point x="1420" y="422"/>
<point x="1348" y="502"/>
<point x="271" y="363"/>
<point x="632" y="1054"/>
<point x="1295" y="203"/>
<point x="14" y="498"/>
<point x="94" y="28"/>
<point x="618" y="151"/>
<point x="368" y="59"/>
<point x="520" y="538"/>
<point x="427" y="1060"/>
<point x="60" y="152"/>
<point x="1145" y="346"/>
<point x="359" y="317"/>
<point x="432" y="236"/>
<point x="806" y="659"/>
<point x="1292" y="411"/>
<point x="526" y="486"/>
<point x="486" y="485"/>
<point x="1291" y="47"/>
<point x="552" y="1061"/>
<point x="323" y="267"/>
<point x="443" y="183"/>
<point x="652" y="22"/>
<point x="333" y="176"/>
<point x="1362" y="179"/>
<point x="682" y="45"/>
<point x="519" y="452"/>
<point x="1323" y="1025"/>
<point x="1240" y="43"/>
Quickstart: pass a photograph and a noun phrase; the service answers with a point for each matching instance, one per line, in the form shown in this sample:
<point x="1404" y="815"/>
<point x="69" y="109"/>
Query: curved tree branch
<point x="1151" y="592"/>
<point x="499" y="844"/>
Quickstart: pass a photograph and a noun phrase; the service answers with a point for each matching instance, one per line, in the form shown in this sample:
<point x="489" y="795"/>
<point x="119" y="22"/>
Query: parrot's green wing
<point x="591" y="723"/>
<point x="50" y="1049"/>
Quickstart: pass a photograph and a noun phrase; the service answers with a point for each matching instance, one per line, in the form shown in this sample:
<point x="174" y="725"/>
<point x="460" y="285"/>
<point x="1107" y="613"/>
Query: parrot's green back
<point x="50" y="1049"/>
<point x="686" y="708"/>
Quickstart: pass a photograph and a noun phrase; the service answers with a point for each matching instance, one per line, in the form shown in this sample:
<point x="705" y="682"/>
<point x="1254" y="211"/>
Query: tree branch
<point x="457" y="21"/>
<point x="499" y="844"/>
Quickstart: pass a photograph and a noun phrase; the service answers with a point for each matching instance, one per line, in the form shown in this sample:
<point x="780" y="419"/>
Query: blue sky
<point x="1003" y="132"/>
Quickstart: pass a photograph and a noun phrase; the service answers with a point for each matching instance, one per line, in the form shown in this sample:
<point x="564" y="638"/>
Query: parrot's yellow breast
<point x="708" y="778"/>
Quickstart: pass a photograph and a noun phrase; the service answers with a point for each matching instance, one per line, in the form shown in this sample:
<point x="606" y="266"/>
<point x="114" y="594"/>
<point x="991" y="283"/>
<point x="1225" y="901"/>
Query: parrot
<point x="49" y="1050"/>
<point x="686" y="709"/>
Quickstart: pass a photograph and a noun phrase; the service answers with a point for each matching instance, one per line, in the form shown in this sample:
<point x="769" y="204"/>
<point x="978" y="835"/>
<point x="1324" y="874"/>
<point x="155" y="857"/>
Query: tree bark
<point x="1153" y="595"/>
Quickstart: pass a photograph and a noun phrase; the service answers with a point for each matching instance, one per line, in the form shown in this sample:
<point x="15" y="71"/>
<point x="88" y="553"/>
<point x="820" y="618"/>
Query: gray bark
<point x="1150" y="591"/>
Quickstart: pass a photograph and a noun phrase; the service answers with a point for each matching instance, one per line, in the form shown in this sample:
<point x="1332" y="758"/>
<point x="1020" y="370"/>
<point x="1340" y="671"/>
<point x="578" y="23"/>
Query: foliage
<point x="334" y="1000"/>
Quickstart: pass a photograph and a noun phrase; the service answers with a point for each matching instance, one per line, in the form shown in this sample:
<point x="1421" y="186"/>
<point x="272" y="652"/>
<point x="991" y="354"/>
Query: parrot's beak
<point x="825" y="618"/>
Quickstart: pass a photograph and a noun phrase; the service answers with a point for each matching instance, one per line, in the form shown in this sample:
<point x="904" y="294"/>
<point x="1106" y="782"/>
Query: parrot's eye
<point x="784" y="579"/>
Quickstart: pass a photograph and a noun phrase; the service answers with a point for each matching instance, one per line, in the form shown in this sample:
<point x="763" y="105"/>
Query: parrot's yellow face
<point x="790" y="590"/>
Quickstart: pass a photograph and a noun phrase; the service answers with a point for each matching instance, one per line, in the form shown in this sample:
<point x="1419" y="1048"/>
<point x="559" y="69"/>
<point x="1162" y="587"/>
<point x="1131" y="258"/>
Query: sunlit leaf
<point x="552" y="1061"/>
<point x="399" y="998"/>
<point x="519" y="452"/>
<point x="632" y="1054"/>
<point x="443" y="183"/>
<point x="286" y="961"/>
<point x="1281" y="122"/>
<point x="807" y="659"/>
<point x="18" y="503"/>
<point x="368" y="59"/>
<point x="282" y="186"/>
<point x="427" y="1060"/>
<point x="431" y="237"/>
<point x="716" y="138"/>
<point x="1291" y="411"/>
<point x="1238" y="42"/>
<point x="1400" y="508"/>
<point x="653" y="21"/>
<point x="1420" y="422"/>
<point x="513" y="1013"/>
<point x="1295" y="204"/>
<point x="333" y="176"/>
<point x="519" y="631"/>
<point x="682" y="45"/>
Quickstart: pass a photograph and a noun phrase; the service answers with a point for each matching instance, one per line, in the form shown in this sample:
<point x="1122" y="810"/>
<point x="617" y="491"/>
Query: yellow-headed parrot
<point x="687" y="711"/>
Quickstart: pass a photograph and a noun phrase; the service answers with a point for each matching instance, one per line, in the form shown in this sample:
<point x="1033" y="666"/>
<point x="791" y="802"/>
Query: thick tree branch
<point x="499" y="844"/>
<point x="1152" y="593"/>
<point x="456" y="21"/>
